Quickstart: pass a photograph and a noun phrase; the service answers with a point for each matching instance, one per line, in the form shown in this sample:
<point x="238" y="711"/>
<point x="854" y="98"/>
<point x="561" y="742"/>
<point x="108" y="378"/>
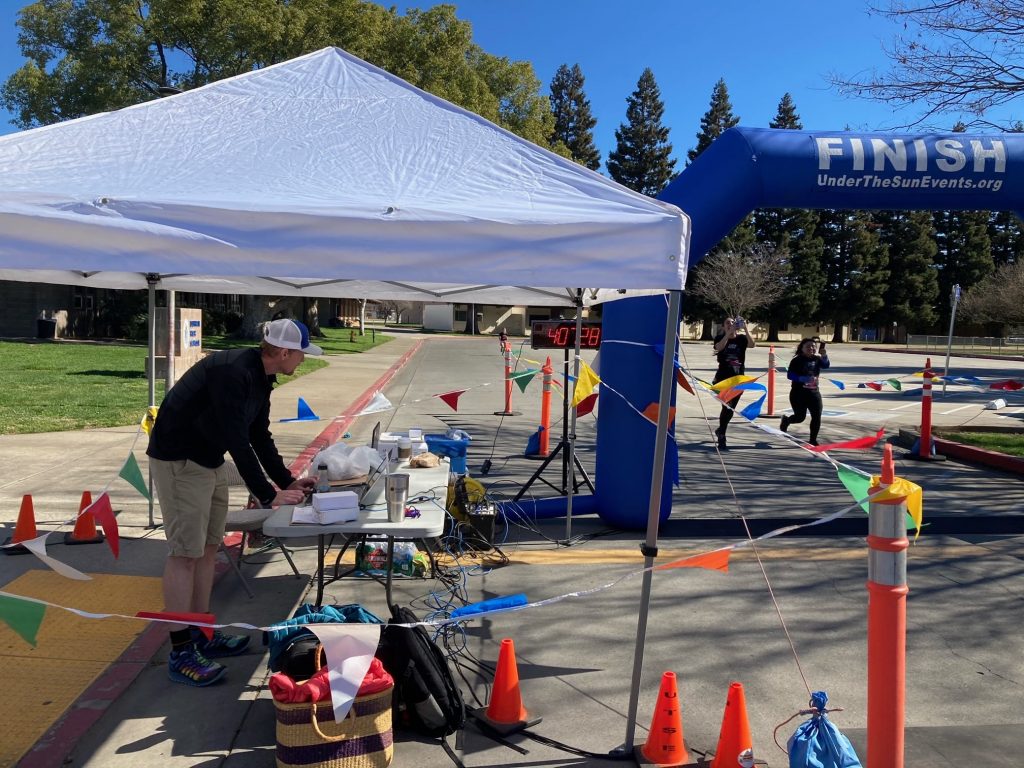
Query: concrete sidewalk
<point x="965" y="651"/>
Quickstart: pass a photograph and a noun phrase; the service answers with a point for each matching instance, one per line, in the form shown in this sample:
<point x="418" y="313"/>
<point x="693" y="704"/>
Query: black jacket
<point x="222" y="404"/>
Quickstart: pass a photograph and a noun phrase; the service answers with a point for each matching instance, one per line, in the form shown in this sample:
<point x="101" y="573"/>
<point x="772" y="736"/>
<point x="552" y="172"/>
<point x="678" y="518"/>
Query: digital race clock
<point x="561" y="334"/>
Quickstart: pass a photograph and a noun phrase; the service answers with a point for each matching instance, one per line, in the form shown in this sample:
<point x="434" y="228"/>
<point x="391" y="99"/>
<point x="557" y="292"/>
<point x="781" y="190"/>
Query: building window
<point x="461" y="313"/>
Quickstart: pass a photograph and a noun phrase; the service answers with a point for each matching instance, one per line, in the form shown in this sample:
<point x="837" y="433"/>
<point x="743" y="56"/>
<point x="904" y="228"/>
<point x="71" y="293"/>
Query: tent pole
<point x="571" y="458"/>
<point x="649" y="548"/>
<point x="151" y="280"/>
<point x="172" y="348"/>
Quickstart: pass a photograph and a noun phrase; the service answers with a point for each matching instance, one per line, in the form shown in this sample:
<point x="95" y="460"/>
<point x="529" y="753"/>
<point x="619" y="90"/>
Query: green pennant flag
<point x="131" y="474"/>
<point x="896" y="384"/>
<point x="523" y="379"/>
<point x="856" y="484"/>
<point x="23" y="616"/>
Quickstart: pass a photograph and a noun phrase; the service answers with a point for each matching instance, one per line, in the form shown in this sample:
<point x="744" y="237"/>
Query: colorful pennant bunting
<point x="651" y="414"/>
<point x="183" y="618"/>
<point x="587" y="405"/>
<point x="585" y="386"/>
<point x="895" y="383"/>
<point x="850" y="445"/>
<point x="713" y="561"/>
<point x="732" y="381"/>
<point x="753" y="410"/>
<point x="24" y="616"/>
<point x="683" y="382"/>
<point x="1010" y="384"/>
<point x="131" y="474"/>
<point x="873" y="385"/>
<point x="898" y="490"/>
<point x="104" y="515"/>
<point x="838" y="383"/>
<point x="149" y="418"/>
<point x="452" y="398"/>
<point x="524" y="378"/>
<point x="857" y="484"/>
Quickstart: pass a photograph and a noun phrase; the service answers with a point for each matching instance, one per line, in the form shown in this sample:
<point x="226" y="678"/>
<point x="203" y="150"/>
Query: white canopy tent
<point x="326" y="176"/>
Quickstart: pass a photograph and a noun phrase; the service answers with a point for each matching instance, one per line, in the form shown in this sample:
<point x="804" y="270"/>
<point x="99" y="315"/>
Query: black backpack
<point x="426" y="696"/>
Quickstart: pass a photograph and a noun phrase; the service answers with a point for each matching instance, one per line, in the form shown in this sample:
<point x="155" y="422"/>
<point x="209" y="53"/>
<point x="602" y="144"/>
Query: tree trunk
<point x="837" y="334"/>
<point x="773" y="332"/>
<point x="705" y="333"/>
<point x="362" y="317"/>
<point x="311" y="316"/>
<point x="256" y="310"/>
<point x="471" y="320"/>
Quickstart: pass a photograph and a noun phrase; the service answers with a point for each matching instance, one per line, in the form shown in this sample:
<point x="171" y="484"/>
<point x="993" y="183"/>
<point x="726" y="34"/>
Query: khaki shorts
<point x="193" y="504"/>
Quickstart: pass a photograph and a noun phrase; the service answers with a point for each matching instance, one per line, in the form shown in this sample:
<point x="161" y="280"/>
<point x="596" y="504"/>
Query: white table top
<point x="373" y="521"/>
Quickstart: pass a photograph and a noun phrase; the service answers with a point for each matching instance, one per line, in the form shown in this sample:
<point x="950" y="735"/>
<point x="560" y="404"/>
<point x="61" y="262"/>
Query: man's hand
<point x="288" y="496"/>
<point x="304" y="484"/>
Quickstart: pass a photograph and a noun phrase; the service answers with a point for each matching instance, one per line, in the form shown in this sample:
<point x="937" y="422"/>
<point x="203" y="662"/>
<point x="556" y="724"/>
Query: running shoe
<point x="220" y="644"/>
<point x="190" y="667"/>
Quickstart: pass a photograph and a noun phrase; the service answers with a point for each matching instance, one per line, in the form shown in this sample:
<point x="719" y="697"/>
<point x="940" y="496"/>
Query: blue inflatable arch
<point x="749" y="168"/>
<point x="743" y="170"/>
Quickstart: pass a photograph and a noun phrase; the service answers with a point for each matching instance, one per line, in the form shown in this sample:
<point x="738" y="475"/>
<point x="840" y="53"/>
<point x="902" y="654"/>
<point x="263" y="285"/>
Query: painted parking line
<point x="962" y="407"/>
<point x="856" y="402"/>
<point x="908" y="405"/>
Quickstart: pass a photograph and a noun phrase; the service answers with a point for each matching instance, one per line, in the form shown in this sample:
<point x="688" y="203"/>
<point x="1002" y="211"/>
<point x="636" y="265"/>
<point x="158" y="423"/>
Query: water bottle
<point x="323" y="483"/>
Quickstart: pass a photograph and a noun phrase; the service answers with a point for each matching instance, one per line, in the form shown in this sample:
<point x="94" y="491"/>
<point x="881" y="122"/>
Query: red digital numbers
<point x="561" y="334"/>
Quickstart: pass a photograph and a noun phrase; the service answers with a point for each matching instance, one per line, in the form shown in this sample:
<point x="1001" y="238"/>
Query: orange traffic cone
<point x="665" y="745"/>
<point x="85" y="525"/>
<point x="734" y="744"/>
<point x="25" y="530"/>
<point x="506" y="713"/>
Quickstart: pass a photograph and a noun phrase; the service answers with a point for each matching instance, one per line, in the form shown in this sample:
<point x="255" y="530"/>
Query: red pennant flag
<point x="452" y="398"/>
<point x="850" y="445"/>
<point x="713" y="561"/>
<point x="183" y="618"/>
<point x="873" y="385"/>
<point x="1011" y="384"/>
<point x="104" y="515"/>
<point x="586" y="405"/>
<point x="651" y="414"/>
<point x="681" y="379"/>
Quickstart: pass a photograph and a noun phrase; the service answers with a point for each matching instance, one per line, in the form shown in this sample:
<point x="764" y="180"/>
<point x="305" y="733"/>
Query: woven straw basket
<point x="308" y="736"/>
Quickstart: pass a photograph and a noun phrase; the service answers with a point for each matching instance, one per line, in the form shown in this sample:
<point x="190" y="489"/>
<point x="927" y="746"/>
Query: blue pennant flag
<point x="838" y="383"/>
<point x="753" y="410"/>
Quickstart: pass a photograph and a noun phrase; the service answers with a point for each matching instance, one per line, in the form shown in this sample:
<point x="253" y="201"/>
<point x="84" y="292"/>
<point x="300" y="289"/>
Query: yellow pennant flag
<point x="149" y="419"/>
<point x="585" y="384"/>
<point x="732" y="381"/>
<point x="901" y="489"/>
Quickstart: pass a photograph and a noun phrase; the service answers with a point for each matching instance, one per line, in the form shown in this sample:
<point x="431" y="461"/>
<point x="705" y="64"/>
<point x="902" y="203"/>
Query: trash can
<point x="46" y="328"/>
<point x="453" y="448"/>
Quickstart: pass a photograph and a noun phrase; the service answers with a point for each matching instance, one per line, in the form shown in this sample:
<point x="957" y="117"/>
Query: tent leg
<point x="570" y="458"/>
<point x="654" y="507"/>
<point x="152" y="280"/>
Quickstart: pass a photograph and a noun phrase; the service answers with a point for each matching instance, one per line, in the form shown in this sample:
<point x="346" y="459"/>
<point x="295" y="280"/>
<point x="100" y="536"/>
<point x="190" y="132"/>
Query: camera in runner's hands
<point x="739" y="322"/>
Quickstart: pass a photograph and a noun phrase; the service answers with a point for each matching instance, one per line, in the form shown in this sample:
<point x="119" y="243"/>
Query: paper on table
<point x="305" y="515"/>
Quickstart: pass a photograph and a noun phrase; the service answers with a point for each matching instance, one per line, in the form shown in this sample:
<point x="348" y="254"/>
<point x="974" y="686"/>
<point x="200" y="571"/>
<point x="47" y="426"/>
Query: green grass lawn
<point x="54" y="386"/>
<point x="1003" y="442"/>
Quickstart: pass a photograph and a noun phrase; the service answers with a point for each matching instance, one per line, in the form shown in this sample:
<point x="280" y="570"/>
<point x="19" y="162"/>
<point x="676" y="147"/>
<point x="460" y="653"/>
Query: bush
<point x="221" y="322"/>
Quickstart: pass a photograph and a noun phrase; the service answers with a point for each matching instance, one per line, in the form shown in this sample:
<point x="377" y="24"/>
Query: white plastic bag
<point x="345" y="462"/>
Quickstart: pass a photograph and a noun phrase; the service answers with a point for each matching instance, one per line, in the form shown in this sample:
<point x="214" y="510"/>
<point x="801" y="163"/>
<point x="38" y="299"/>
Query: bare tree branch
<point x="738" y="283"/>
<point x="963" y="57"/>
<point x="999" y="298"/>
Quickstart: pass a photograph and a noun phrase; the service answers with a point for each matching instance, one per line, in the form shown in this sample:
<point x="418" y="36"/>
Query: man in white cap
<point x="221" y="405"/>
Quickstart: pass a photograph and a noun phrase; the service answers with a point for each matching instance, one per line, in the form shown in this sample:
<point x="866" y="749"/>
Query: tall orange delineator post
<point x="506" y="351"/>
<point x="771" y="380"/>
<point x="545" y="409"/>
<point x="924" y="449"/>
<point x="887" y="624"/>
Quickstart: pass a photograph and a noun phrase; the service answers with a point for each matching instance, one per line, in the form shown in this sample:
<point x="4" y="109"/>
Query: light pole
<point x="954" y="300"/>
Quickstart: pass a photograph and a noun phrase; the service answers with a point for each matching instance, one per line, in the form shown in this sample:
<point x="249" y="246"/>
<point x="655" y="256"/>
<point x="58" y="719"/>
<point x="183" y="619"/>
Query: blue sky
<point x="762" y="50"/>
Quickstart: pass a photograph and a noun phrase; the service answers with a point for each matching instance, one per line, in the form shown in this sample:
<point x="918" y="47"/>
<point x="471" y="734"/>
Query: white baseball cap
<point x="290" y="334"/>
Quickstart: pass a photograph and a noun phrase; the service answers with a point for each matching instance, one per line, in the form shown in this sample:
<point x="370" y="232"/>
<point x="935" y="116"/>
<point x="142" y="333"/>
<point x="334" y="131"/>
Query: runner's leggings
<point x="725" y="416"/>
<point x="804" y="400"/>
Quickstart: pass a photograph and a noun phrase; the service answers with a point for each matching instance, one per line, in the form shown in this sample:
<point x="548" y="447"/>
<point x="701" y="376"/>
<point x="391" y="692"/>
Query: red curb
<point x="340" y="423"/>
<point x="54" y="746"/>
<point x="977" y="455"/>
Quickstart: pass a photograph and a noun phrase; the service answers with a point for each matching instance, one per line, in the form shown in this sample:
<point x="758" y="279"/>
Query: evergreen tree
<point x="913" y="281"/>
<point x="792" y="232"/>
<point x="964" y="252"/>
<point x="856" y="267"/>
<point x="642" y="158"/>
<point x="1006" y="231"/>
<point x="718" y="119"/>
<point x="574" y="123"/>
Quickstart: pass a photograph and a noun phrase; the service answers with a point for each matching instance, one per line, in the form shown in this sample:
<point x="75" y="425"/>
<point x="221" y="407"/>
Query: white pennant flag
<point x="37" y="547"/>
<point x="349" y="649"/>
<point x="377" y="404"/>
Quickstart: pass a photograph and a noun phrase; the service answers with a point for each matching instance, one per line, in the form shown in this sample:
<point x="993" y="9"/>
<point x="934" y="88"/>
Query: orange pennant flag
<point x="713" y="561"/>
<point x="452" y="398"/>
<point x="651" y="414"/>
<point x="681" y="379"/>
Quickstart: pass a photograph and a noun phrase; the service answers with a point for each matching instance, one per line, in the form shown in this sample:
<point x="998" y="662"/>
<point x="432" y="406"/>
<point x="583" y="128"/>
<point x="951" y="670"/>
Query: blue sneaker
<point x="220" y="645"/>
<point x="190" y="667"/>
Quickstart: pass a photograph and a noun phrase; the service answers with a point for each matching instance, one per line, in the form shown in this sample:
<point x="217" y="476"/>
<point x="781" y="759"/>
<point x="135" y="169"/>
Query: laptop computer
<point x="371" y="480"/>
<point x="375" y="436"/>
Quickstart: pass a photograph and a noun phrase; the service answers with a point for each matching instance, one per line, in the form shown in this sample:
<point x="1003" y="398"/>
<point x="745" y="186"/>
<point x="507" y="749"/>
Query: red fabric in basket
<point x="318" y="688"/>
